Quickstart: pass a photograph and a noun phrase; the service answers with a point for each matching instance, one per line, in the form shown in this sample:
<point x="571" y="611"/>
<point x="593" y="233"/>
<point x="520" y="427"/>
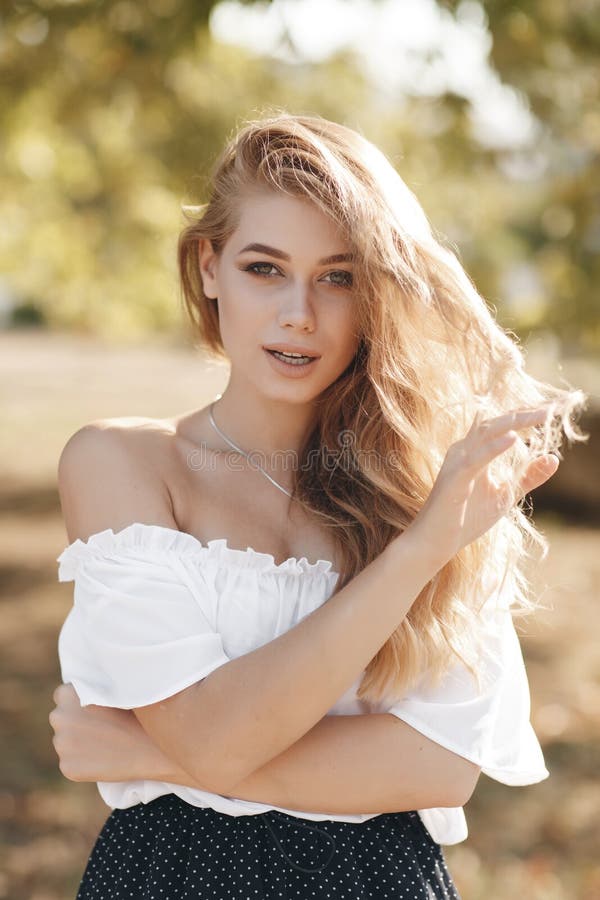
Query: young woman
<point x="291" y="650"/>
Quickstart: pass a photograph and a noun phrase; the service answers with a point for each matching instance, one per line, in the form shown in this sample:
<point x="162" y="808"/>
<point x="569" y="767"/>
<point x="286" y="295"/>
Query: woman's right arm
<point x="248" y="711"/>
<point x="256" y="706"/>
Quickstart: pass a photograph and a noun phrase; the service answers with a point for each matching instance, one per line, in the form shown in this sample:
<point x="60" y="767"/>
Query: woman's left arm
<point x="361" y="764"/>
<point x="345" y="764"/>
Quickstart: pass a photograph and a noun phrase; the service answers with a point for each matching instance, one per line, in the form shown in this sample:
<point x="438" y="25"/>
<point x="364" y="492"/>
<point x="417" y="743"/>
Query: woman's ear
<point x="207" y="259"/>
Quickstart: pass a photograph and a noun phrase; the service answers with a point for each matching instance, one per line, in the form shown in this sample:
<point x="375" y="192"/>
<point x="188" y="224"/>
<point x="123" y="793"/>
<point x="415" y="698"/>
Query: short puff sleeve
<point x="142" y="624"/>
<point x="489" y="726"/>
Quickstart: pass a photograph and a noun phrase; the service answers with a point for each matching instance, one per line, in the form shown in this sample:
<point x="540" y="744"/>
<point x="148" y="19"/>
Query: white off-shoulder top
<point x="155" y="610"/>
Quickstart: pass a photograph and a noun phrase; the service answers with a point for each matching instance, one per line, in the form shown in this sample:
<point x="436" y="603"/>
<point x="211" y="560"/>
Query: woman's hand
<point x="100" y="743"/>
<point x="464" y="501"/>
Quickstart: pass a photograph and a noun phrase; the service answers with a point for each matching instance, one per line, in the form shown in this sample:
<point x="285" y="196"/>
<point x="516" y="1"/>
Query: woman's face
<point x="287" y="295"/>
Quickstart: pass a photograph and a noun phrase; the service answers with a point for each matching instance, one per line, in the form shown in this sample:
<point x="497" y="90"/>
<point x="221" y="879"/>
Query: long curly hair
<point x="431" y="356"/>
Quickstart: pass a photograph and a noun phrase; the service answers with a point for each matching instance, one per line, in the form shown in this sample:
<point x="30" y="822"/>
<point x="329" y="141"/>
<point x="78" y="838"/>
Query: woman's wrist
<point x="153" y="765"/>
<point x="418" y="550"/>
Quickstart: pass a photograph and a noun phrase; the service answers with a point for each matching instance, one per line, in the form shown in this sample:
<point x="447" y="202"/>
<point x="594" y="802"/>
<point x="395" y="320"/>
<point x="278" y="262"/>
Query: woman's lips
<point x="292" y="370"/>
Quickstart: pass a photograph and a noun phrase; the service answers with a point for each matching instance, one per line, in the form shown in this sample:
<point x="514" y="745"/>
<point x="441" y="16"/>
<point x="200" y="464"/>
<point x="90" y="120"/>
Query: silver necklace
<point x="243" y="452"/>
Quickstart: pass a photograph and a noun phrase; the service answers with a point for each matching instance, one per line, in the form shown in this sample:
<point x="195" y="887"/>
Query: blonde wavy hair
<point x="431" y="356"/>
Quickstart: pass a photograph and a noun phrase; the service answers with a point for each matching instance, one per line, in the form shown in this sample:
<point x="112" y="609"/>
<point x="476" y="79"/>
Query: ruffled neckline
<point x="161" y="538"/>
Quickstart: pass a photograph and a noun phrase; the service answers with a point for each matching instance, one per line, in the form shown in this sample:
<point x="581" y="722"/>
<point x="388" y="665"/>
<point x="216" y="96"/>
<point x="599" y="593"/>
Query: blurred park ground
<point x="112" y="114"/>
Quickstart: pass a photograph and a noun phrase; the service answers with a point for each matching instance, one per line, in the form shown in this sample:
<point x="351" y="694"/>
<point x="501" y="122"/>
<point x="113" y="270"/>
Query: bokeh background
<point x="111" y="114"/>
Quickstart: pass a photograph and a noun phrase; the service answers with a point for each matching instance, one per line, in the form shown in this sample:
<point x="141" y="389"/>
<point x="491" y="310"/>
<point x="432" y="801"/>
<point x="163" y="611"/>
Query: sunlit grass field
<point x="540" y="842"/>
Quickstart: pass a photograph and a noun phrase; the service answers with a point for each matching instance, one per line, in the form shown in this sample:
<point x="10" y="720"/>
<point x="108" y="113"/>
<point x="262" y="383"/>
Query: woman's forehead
<point x="280" y="220"/>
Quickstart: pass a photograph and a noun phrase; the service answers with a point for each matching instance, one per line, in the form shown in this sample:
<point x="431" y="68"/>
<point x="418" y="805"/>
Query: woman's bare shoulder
<point x="111" y="474"/>
<point x="141" y="439"/>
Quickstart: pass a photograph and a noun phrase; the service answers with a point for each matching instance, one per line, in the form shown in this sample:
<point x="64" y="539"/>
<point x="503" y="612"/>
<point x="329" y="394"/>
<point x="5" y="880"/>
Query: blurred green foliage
<point x="549" y="51"/>
<point x="113" y="111"/>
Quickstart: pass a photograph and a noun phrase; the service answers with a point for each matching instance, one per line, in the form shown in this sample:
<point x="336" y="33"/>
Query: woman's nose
<point x="297" y="307"/>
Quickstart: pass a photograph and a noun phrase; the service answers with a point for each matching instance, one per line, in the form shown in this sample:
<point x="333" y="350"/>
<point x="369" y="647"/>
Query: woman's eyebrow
<point x="279" y="254"/>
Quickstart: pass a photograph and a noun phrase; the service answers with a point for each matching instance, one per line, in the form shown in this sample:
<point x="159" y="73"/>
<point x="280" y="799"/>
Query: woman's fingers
<point x="514" y="421"/>
<point x="490" y="438"/>
<point x="65" y="698"/>
<point x="484" y="453"/>
<point x="538" y="471"/>
<point x="65" y="693"/>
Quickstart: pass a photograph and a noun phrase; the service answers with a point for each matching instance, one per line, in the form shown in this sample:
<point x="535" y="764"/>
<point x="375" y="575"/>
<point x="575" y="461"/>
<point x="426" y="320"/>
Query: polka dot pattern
<point x="170" y="850"/>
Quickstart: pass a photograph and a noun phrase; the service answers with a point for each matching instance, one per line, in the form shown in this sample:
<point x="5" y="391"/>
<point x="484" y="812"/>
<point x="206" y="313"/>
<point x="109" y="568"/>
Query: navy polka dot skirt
<point x="170" y="850"/>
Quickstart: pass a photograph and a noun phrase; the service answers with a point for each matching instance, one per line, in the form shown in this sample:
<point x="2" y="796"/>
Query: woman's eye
<point x="346" y="278"/>
<point x="254" y="266"/>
